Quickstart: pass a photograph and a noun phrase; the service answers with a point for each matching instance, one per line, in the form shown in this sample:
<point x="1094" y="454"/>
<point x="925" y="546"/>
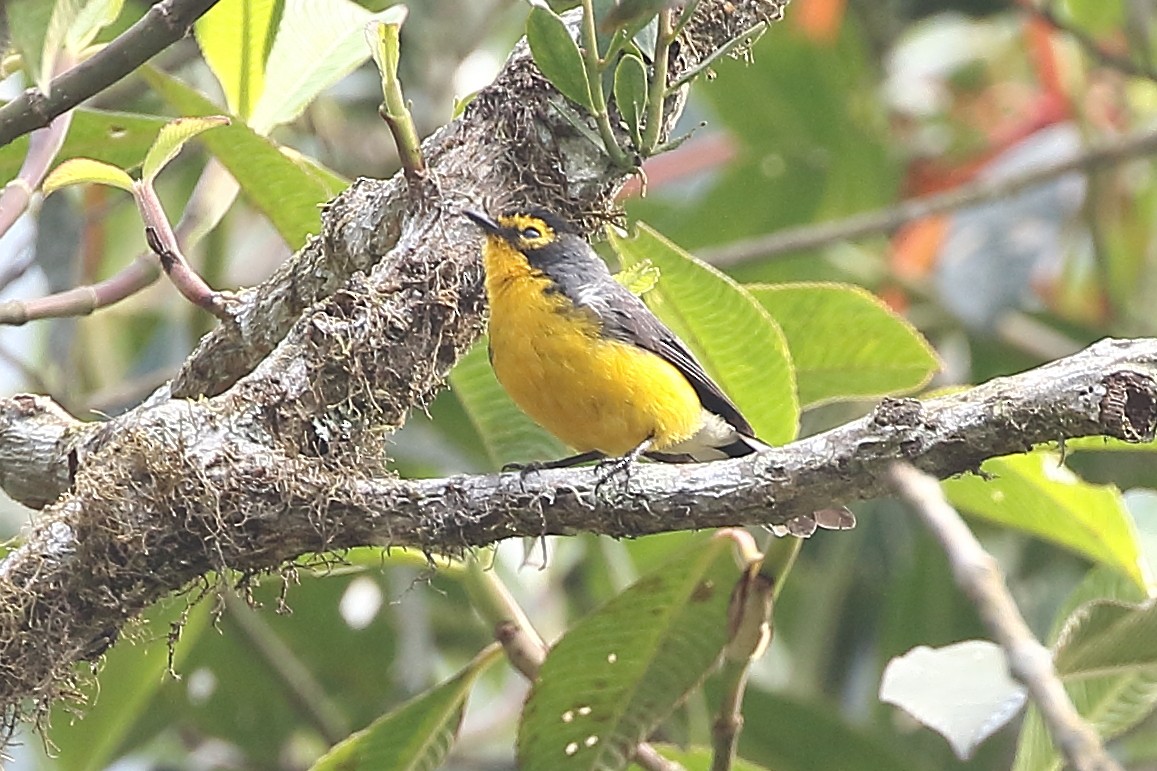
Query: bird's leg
<point x="567" y="462"/>
<point x="611" y="466"/>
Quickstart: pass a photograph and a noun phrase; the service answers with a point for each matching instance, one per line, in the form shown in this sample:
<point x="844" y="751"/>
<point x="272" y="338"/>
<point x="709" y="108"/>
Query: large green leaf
<point x="557" y="55"/>
<point x="131" y="674"/>
<point x="507" y="433"/>
<point x="285" y="187"/>
<point x="318" y="43"/>
<point x="845" y="342"/>
<point x="1108" y="444"/>
<point x="732" y="334"/>
<point x="1100" y="624"/>
<point x="1037" y="494"/>
<point x="610" y="680"/>
<point x="416" y="736"/>
<point x="235" y="37"/>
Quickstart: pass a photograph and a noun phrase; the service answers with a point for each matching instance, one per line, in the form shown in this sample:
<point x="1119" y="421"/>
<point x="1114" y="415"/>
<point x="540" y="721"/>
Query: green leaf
<point x="1101" y="609"/>
<point x="507" y="433"/>
<point x="1107" y="637"/>
<point x="962" y="691"/>
<point x="235" y="37"/>
<point x="557" y="55"/>
<point x="172" y="138"/>
<point x="618" y="672"/>
<point x="318" y="43"/>
<point x="90" y="19"/>
<point x="631" y="94"/>
<point x="1107" y="444"/>
<point x="734" y="337"/>
<point x="73" y="26"/>
<point x="416" y="736"/>
<point x="845" y="342"/>
<point x="697" y="758"/>
<point x="79" y="171"/>
<point x="286" y="188"/>
<point x="1036" y="494"/>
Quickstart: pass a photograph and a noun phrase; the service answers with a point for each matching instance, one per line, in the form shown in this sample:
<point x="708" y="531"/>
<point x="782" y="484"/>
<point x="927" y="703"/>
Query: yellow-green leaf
<point x="730" y="332"/>
<point x="235" y="37"/>
<point x="89" y="20"/>
<point x="78" y="171"/>
<point x="384" y="40"/>
<point x="283" y="186"/>
<point x="845" y="342"/>
<point x="172" y="138"/>
<point x="1037" y="494"/>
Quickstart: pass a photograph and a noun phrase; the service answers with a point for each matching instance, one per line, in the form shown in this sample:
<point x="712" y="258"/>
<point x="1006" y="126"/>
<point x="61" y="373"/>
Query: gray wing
<point x="626" y="318"/>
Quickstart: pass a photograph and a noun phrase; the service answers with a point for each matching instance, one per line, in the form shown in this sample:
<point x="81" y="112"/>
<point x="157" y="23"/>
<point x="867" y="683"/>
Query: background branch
<point x="1104" y="153"/>
<point x="979" y="576"/>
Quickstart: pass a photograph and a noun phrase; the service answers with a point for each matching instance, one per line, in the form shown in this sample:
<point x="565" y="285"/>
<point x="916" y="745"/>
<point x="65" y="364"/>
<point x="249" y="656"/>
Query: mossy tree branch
<point x="288" y="402"/>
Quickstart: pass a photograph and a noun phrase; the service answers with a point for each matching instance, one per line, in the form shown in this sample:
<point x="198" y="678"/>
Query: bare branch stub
<point x="1129" y="406"/>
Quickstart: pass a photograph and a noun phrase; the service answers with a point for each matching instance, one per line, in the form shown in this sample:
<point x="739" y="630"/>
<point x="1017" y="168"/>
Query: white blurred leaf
<point x="962" y="691"/>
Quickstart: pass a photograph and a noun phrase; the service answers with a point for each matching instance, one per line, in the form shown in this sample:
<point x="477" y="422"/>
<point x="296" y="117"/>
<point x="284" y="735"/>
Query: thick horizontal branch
<point x="293" y="397"/>
<point x="162" y="25"/>
<point x="188" y="495"/>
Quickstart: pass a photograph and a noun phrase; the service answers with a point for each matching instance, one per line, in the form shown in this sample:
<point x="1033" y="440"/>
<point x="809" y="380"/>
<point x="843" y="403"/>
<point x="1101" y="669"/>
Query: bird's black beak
<point x="482" y="221"/>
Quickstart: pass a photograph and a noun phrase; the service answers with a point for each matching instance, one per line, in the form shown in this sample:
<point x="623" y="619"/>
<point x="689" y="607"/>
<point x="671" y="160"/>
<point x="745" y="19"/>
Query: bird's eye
<point x="531" y="233"/>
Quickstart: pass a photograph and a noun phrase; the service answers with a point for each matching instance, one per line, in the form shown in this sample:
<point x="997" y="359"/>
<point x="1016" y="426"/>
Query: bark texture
<point x="269" y="443"/>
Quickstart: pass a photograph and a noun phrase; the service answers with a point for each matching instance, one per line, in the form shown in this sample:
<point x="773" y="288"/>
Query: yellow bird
<point x="588" y="361"/>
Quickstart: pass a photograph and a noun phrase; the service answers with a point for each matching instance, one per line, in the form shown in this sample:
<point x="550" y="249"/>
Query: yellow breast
<point x="592" y="393"/>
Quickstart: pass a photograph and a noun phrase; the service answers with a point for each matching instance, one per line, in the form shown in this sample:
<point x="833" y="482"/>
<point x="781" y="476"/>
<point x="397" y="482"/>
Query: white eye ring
<point x="531" y="233"/>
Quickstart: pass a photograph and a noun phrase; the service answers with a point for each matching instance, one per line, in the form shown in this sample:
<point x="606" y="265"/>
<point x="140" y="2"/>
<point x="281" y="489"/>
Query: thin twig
<point x="590" y="54"/>
<point x="978" y="575"/>
<point x="1099" y="154"/>
<point x="43" y="146"/>
<point x="161" y="26"/>
<point x="163" y="241"/>
<point x="750" y="627"/>
<point x="657" y="89"/>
